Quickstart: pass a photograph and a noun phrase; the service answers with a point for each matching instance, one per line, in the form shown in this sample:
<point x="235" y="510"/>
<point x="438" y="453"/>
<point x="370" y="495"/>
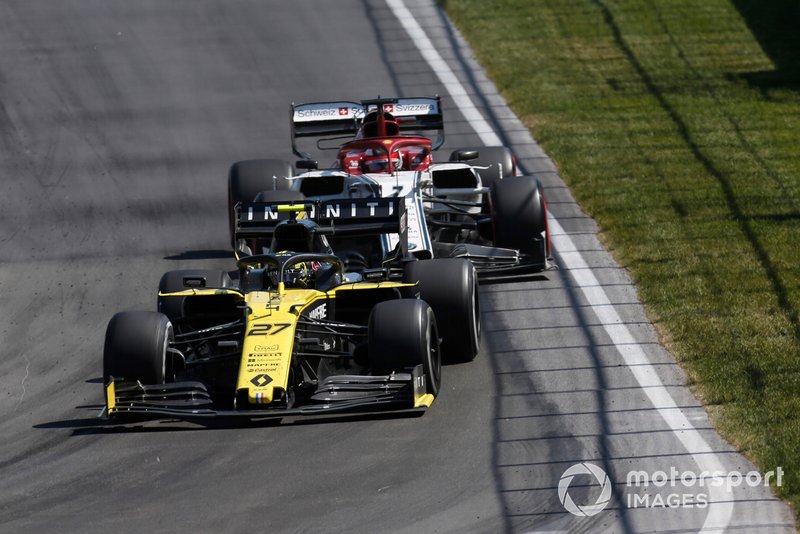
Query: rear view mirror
<point x="464" y="155"/>
<point x="306" y="164"/>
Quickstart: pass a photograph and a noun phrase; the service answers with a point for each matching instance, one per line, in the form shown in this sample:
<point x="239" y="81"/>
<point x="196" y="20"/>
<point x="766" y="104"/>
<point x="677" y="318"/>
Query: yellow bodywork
<point x="111" y="396"/>
<point x="270" y="333"/>
<point x="269" y="341"/>
<point x="424" y="400"/>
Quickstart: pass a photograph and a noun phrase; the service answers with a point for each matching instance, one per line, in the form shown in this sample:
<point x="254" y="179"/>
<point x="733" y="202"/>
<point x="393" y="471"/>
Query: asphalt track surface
<point x="118" y="121"/>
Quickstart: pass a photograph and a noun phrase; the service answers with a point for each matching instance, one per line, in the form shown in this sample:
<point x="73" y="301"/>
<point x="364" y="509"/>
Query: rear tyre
<point x="499" y="159"/>
<point x="450" y="287"/>
<point x="247" y="178"/>
<point x="136" y="347"/>
<point x="174" y="281"/>
<point x="519" y="216"/>
<point x="280" y="196"/>
<point x="402" y="334"/>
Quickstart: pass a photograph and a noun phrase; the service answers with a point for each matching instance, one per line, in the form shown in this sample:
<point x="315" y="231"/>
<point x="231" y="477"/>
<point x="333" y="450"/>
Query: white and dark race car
<point x="473" y="206"/>
<point x="295" y="333"/>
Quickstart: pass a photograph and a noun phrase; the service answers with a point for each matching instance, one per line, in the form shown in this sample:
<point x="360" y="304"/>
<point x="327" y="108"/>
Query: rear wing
<point x="344" y="118"/>
<point x="416" y="114"/>
<point x="319" y="119"/>
<point x="339" y="217"/>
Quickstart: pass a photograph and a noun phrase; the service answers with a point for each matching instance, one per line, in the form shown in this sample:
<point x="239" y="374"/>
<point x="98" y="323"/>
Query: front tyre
<point x="519" y="216"/>
<point x="181" y="280"/>
<point x="136" y="347"/>
<point x="450" y="287"/>
<point x="402" y="334"/>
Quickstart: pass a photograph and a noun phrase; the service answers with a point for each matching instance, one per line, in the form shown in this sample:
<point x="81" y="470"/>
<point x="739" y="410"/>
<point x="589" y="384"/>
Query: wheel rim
<point x="476" y="318"/>
<point x="434" y="357"/>
<point x="167" y="336"/>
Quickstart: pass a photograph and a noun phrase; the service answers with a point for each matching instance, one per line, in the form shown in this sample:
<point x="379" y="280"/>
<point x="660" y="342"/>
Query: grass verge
<point x="676" y="126"/>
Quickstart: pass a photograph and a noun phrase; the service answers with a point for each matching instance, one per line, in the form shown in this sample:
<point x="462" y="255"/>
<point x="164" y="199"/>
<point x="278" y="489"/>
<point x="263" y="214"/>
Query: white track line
<point x="720" y="509"/>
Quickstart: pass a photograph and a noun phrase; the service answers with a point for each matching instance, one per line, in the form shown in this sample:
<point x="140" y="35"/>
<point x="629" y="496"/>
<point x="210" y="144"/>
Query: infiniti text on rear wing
<point x="343" y="217"/>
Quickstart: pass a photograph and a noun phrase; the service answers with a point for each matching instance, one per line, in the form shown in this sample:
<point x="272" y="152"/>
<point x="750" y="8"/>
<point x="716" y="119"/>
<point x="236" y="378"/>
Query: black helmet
<point x="300" y="235"/>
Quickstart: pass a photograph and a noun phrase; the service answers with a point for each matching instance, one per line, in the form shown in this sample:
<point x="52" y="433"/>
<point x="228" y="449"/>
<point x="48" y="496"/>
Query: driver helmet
<point x="379" y="162"/>
<point x="300" y="275"/>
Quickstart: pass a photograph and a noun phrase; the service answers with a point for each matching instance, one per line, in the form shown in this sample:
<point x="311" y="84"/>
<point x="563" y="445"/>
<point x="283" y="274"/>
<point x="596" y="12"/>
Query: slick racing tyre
<point x="402" y="334"/>
<point x="450" y="287"/>
<point x="280" y="196"/>
<point x="499" y="159"/>
<point x="519" y="216"/>
<point x="136" y="347"/>
<point x="247" y="178"/>
<point x="174" y="281"/>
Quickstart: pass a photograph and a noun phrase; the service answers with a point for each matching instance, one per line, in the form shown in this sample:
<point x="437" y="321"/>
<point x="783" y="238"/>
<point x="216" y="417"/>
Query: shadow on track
<point x="202" y="255"/>
<point x="83" y="426"/>
<point x="549" y="443"/>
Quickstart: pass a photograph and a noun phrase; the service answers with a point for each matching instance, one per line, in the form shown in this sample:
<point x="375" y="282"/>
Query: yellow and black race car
<point x="296" y="333"/>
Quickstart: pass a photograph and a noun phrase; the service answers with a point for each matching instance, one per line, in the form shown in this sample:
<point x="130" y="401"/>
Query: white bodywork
<point x="418" y="189"/>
